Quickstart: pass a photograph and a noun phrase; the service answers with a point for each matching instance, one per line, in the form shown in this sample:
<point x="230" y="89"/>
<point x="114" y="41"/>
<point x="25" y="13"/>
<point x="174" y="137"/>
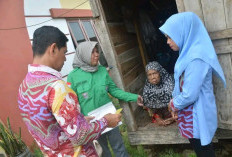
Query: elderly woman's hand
<point x="173" y="113"/>
<point x="140" y="100"/>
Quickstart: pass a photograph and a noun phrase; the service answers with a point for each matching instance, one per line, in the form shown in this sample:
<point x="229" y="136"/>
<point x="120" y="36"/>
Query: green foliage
<point x="194" y="155"/>
<point x="137" y="151"/>
<point x="169" y="153"/>
<point x="134" y="151"/>
<point x="11" y="142"/>
<point x="37" y="152"/>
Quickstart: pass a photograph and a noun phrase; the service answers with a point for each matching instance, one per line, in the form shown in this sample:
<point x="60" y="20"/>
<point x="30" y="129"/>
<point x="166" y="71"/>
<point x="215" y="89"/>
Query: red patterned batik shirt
<point x="52" y="115"/>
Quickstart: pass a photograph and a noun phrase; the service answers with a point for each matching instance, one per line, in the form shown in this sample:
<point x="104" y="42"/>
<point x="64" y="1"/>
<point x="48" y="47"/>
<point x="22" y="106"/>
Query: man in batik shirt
<point x="50" y="108"/>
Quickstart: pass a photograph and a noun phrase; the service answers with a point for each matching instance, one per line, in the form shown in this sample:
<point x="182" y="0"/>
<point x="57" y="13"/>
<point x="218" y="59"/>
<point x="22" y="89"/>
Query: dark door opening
<point x="150" y="15"/>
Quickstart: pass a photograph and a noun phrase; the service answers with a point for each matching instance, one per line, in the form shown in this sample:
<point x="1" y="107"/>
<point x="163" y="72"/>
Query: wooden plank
<point x="119" y="33"/>
<point x="121" y="38"/>
<point x="128" y="116"/>
<point x="153" y="134"/>
<point x="116" y="29"/>
<point x="228" y="12"/>
<point x="214" y="16"/>
<point x="130" y="64"/>
<point x="222" y="34"/>
<point x="141" y="49"/>
<point x="223" y="134"/>
<point x="194" y="6"/>
<point x="134" y="52"/>
<point x="224" y="49"/>
<point x="134" y="105"/>
<point x="230" y="41"/>
<point x="133" y="74"/>
<point x="224" y="95"/>
<point x="142" y="117"/>
<point x="94" y="8"/>
<point x="136" y="85"/>
<point x="126" y="46"/>
<point x="220" y="42"/>
<point x="180" y="5"/>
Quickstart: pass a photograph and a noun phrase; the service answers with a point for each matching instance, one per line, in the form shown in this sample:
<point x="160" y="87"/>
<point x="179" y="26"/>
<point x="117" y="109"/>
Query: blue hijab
<point x="190" y="35"/>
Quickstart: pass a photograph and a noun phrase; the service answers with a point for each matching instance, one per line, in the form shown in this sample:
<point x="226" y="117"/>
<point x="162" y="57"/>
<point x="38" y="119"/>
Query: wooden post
<point x="141" y="50"/>
<point x="180" y="5"/>
<point x="94" y="8"/>
<point x="128" y="116"/>
<point x="111" y="56"/>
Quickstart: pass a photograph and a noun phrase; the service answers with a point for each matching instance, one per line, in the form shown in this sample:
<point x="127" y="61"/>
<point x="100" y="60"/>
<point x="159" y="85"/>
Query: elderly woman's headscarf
<point x="190" y="35"/>
<point x="82" y="58"/>
<point x="159" y="95"/>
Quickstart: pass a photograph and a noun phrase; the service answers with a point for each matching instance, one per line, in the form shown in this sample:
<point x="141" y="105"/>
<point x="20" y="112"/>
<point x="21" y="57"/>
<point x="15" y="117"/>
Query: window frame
<point x="83" y="29"/>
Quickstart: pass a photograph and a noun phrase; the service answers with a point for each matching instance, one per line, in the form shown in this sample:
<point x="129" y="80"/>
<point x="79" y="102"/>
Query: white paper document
<point x="101" y="112"/>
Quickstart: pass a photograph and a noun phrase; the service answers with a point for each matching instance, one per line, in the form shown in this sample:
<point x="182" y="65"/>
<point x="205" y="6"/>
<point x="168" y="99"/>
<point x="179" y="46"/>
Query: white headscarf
<point x="82" y="58"/>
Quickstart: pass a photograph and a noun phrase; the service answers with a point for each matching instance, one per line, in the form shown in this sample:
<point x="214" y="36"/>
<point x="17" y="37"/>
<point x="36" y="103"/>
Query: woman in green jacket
<point x="92" y="84"/>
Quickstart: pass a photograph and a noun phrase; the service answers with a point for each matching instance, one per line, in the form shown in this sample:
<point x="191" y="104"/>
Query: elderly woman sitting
<point x="157" y="93"/>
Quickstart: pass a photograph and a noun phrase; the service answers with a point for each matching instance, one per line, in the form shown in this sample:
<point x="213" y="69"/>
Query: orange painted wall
<point x="15" y="55"/>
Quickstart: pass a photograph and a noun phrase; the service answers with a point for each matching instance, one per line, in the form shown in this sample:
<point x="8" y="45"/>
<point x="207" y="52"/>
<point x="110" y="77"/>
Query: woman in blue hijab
<point x="193" y="99"/>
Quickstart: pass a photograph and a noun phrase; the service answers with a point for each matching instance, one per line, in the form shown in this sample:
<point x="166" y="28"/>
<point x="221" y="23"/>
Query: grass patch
<point x="192" y="155"/>
<point x="37" y="152"/>
<point x="169" y="153"/>
<point x="133" y="151"/>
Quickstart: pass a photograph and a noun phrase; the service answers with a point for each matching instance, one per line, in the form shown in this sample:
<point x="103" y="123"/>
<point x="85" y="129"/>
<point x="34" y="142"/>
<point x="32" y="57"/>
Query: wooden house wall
<point x="126" y="48"/>
<point x="216" y="15"/>
<point x="122" y="51"/>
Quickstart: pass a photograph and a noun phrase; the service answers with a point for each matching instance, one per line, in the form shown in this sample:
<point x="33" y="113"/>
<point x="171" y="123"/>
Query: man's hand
<point x="140" y="100"/>
<point x="112" y="119"/>
<point x="89" y="118"/>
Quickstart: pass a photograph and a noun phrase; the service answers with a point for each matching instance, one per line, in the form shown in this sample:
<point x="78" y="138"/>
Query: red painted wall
<point x="15" y="55"/>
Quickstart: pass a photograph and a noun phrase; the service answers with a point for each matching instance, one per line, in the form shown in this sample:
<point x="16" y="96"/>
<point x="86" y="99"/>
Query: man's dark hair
<point x="45" y="36"/>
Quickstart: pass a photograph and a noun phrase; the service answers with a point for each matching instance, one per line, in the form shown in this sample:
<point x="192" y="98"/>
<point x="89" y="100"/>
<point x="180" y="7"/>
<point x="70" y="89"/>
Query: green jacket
<point x="92" y="89"/>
